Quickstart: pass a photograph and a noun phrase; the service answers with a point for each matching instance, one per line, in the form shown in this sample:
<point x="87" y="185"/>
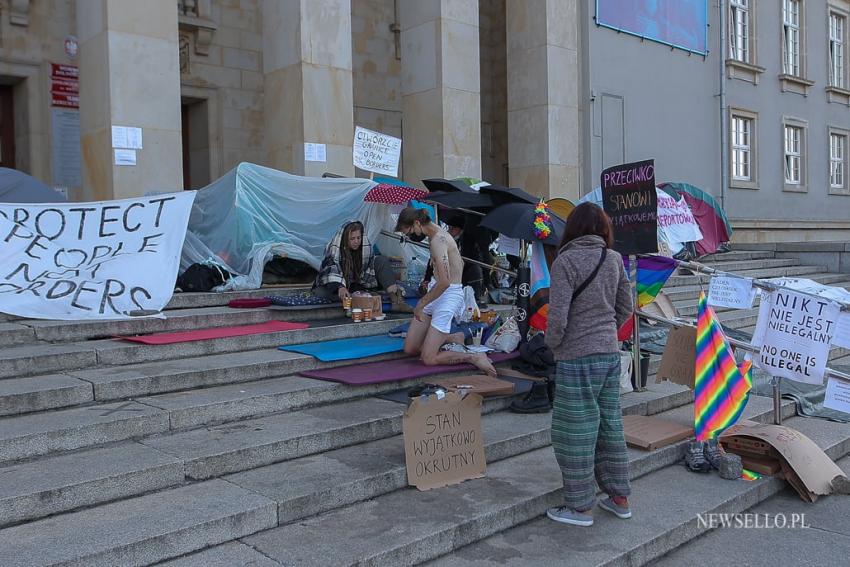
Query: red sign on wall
<point x="64" y="85"/>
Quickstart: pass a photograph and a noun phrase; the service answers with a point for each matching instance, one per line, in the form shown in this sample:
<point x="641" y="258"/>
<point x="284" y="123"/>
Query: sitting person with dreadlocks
<point x="349" y="266"/>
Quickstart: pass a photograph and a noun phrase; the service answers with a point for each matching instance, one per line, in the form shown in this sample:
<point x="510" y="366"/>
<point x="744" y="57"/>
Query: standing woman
<point x="589" y="300"/>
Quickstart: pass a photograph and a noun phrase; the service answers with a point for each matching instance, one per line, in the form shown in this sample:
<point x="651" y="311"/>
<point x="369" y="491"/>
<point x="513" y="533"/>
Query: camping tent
<point x="240" y="221"/>
<point x="709" y="215"/>
<point x="18" y="187"/>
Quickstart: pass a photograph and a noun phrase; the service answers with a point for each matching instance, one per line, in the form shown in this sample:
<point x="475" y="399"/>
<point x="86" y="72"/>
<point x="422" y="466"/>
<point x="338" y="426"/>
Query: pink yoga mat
<point x="392" y="370"/>
<point x="215" y="333"/>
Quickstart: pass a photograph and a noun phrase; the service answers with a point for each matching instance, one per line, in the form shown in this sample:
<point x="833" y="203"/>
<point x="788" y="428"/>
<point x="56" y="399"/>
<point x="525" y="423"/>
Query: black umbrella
<point x="516" y="220"/>
<point x="447" y="185"/>
<point x="502" y="195"/>
<point x="462" y="200"/>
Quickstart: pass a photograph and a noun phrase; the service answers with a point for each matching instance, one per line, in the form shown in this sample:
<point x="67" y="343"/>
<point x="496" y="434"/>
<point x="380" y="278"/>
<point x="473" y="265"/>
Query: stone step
<point x="417" y="526"/>
<point x="43" y="487"/>
<point x="737" y="255"/>
<point x="225" y="555"/>
<point x="173" y="321"/>
<point x="691" y="292"/>
<point x="24" y="395"/>
<point x="15" y="334"/>
<point x="142" y="530"/>
<point x="63" y="430"/>
<point x="41" y="358"/>
<point x="666" y="504"/>
<point x="192" y="300"/>
<point x="802" y="271"/>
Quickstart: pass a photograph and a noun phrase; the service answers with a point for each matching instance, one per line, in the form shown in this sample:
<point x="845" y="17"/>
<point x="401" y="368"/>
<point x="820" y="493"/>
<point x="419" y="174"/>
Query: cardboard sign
<point x="837" y="395"/>
<point x="629" y="198"/>
<point x="100" y="260"/>
<point x="813" y="471"/>
<point x="679" y="361"/>
<point x="651" y="433"/>
<point x="376" y="152"/>
<point x="732" y="292"/>
<point x="442" y="440"/>
<point x="797" y="336"/>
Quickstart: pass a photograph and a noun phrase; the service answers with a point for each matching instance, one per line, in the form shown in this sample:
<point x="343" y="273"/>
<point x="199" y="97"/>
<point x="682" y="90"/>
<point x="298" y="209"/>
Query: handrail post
<point x="636" y="369"/>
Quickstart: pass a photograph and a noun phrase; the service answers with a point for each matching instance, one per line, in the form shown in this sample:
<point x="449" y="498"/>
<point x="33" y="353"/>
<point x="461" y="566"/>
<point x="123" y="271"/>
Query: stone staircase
<point x="217" y="453"/>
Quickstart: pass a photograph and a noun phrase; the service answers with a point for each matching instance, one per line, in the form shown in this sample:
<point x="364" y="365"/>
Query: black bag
<point x="200" y="277"/>
<point x="536" y="353"/>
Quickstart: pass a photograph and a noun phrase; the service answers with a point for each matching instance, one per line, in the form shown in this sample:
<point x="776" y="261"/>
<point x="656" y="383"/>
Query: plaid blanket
<point x="330" y="270"/>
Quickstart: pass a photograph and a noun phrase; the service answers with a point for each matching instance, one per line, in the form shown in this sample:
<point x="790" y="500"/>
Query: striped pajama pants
<point x="587" y="429"/>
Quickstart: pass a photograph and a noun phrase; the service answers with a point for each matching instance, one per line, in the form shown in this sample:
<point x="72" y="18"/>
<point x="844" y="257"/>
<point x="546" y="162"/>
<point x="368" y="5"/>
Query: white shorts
<point x="442" y="310"/>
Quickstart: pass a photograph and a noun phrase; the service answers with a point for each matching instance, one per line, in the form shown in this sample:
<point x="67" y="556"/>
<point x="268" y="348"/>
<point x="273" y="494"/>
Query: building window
<point x="739" y="33"/>
<point x="791" y="37"/>
<point x="742" y="129"/>
<point x="836" y="51"/>
<point x="793" y="155"/>
<point x="837" y="158"/>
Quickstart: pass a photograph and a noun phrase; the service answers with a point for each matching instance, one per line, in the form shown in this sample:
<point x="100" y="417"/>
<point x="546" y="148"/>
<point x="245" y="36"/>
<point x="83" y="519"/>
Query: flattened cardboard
<point x="518" y="374"/>
<point x="679" y="360"/>
<point x="802" y="456"/>
<point x="442" y="440"/>
<point x="661" y="306"/>
<point x="480" y="384"/>
<point x="651" y="433"/>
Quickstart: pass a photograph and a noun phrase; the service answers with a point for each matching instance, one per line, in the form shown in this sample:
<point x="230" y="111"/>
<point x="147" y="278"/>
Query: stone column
<point x="544" y="138"/>
<point x="308" y="84"/>
<point x="129" y="76"/>
<point x="441" y="89"/>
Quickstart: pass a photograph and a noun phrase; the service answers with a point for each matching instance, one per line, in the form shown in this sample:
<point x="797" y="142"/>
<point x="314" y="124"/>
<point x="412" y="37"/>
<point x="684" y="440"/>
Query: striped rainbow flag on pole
<point x="721" y="387"/>
<point x="652" y="273"/>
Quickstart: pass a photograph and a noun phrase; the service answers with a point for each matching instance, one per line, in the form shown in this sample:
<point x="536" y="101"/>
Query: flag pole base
<point x="777" y="401"/>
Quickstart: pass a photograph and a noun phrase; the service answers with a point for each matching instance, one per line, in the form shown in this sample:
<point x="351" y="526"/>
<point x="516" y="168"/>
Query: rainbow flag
<point x="652" y="273"/>
<point x="721" y="387"/>
<point x="539" y="287"/>
<point x="750" y="475"/>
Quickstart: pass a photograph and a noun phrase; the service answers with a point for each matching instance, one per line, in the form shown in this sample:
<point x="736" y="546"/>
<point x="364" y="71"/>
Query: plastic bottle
<point x="415" y="272"/>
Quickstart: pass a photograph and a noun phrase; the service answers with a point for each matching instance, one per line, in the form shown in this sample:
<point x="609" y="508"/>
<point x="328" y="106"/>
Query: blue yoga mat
<point x="345" y="349"/>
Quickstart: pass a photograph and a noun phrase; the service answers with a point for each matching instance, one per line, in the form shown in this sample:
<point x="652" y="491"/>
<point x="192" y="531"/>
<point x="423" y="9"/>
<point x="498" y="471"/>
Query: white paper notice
<point x="732" y="292"/>
<point x="837" y="395"/>
<point x="508" y="246"/>
<point x="125" y="157"/>
<point x="797" y="336"/>
<point x="315" y="152"/>
<point x="119" y="137"/>
<point x="376" y="152"/>
<point x="842" y="331"/>
<point x="134" y="138"/>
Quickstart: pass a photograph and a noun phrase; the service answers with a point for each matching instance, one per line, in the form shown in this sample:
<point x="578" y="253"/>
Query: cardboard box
<point x="372" y="302"/>
<point x="679" y="361"/>
<point x="761" y="465"/>
<point x="650" y="433"/>
<point x="442" y="440"/>
<point x="480" y="384"/>
<point x="805" y="466"/>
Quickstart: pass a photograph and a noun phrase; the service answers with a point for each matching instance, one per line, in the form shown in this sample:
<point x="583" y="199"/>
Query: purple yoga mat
<point x="393" y="370"/>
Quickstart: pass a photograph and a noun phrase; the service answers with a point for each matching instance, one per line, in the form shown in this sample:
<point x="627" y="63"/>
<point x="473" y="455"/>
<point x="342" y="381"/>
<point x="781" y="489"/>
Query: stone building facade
<point x="520" y="92"/>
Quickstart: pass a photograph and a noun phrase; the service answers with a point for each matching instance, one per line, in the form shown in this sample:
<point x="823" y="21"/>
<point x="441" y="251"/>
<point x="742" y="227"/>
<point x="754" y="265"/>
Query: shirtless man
<point x="432" y="317"/>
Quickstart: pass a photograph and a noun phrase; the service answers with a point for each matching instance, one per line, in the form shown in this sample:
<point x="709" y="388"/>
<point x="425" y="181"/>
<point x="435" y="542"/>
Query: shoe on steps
<point x="728" y="465"/>
<point x="567" y="515"/>
<point x="535" y="401"/>
<point x="695" y="457"/>
<point x="622" y="512"/>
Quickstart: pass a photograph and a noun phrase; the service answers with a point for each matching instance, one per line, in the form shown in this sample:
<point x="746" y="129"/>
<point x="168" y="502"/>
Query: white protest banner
<point x="837" y="395"/>
<point x="797" y="336"/>
<point x="676" y="220"/>
<point x="100" y="260"/>
<point x="376" y="152"/>
<point x="842" y="331"/>
<point x="732" y="292"/>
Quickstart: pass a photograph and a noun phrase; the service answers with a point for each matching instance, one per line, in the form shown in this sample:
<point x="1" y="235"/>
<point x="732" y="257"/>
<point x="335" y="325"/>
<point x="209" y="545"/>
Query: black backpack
<point x="200" y="277"/>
